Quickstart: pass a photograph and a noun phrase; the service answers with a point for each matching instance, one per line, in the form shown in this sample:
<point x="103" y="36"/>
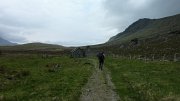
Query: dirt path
<point x="99" y="87"/>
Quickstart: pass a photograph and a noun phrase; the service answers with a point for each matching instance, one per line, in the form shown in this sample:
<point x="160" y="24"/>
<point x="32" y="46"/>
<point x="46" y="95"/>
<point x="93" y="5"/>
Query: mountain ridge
<point x="147" y="27"/>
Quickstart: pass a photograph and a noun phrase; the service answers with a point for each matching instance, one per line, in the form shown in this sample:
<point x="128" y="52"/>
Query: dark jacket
<point x="101" y="57"/>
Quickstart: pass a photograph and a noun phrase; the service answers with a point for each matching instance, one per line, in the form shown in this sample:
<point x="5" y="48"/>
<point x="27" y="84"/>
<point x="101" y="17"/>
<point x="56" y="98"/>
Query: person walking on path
<point x="101" y="58"/>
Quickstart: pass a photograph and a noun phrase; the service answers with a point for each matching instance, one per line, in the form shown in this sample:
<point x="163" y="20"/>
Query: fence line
<point x="150" y="57"/>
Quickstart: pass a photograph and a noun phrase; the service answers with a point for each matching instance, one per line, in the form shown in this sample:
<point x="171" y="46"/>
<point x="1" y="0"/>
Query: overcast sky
<point x="75" y="22"/>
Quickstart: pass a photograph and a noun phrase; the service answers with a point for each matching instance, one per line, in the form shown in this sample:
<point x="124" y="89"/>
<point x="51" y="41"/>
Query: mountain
<point x="146" y="28"/>
<point x="146" y="37"/>
<point x="4" y="42"/>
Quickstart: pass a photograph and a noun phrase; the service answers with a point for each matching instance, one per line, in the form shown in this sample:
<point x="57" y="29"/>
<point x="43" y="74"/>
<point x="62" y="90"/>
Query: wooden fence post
<point x="139" y="57"/>
<point x="152" y="57"/>
<point x="130" y="57"/>
<point x="164" y="56"/>
<point x="145" y="58"/>
<point x="175" y="57"/>
<point x="134" y="57"/>
<point x="113" y="55"/>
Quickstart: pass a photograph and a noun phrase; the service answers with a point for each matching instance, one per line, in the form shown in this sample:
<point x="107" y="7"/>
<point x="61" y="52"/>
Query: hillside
<point x="146" y="37"/>
<point x="4" y="42"/>
<point x="147" y="28"/>
<point x="33" y="46"/>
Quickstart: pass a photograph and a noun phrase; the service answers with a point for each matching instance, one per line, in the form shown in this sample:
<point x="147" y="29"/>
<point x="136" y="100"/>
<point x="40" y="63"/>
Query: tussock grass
<point x="137" y="80"/>
<point x="35" y="83"/>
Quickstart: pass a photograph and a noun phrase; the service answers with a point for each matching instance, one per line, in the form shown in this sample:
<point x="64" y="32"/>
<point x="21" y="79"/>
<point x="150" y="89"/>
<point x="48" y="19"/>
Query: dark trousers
<point x="101" y="63"/>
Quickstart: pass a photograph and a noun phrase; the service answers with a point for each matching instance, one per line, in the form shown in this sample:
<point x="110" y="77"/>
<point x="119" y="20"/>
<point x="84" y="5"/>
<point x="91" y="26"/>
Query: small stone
<point x="88" y="90"/>
<point x="54" y="98"/>
<point x="33" y="93"/>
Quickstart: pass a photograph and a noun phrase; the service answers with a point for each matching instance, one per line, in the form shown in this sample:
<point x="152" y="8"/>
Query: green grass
<point x="32" y="78"/>
<point x="137" y="80"/>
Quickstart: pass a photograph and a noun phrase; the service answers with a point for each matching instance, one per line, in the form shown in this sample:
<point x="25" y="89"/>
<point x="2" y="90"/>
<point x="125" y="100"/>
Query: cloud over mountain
<point x="75" y="22"/>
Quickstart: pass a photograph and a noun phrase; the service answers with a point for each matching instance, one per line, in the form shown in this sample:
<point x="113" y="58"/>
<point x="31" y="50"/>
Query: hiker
<point x="101" y="58"/>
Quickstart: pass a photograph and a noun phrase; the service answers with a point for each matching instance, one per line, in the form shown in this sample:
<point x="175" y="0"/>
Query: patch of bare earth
<point x="99" y="87"/>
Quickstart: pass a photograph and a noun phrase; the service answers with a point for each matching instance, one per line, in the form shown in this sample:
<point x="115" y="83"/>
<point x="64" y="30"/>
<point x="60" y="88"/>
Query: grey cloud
<point x="11" y="34"/>
<point x="75" y="23"/>
<point x="162" y="8"/>
<point x="128" y="11"/>
<point x="13" y="37"/>
<point x="22" y="22"/>
<point x="52" y="21"/>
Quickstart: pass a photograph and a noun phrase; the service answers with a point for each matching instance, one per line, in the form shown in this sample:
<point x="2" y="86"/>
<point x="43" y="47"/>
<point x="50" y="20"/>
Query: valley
<point x="142" y="63"/>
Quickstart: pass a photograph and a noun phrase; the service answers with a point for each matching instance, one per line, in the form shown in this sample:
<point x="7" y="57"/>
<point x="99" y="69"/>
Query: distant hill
<point x="33" y="46"/>
<point x="4" y="42"/>
<point x="147" y="28"/>
<point x="42" y="46"/>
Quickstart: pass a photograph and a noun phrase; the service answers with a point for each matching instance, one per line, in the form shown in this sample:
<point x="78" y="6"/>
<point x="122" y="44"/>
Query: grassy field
<point x="33" y="78"/>
<point x="137" y="80"/>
